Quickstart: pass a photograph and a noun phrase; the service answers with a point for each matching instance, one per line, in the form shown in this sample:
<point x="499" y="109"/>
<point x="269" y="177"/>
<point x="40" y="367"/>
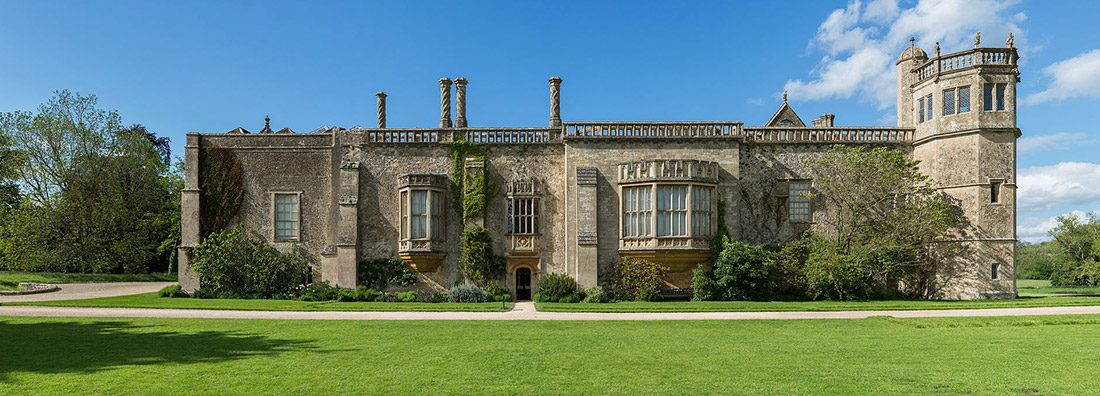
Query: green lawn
<point x="9" y="280"/>
<point x="956" y="356"/>
<point x="784" y="306"/>
<point x="151" y="300"/>
<point x="1035" y="287"/>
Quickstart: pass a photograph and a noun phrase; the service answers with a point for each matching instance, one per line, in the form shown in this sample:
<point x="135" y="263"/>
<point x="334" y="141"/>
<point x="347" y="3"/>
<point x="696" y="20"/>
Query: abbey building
<point x="575" y="197"/>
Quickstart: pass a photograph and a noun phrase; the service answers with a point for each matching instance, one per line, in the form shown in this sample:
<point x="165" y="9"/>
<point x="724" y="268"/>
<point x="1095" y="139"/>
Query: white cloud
<point x="1066" y="183"/>
<point x="1078" y="76"/>
<point x="1055" y="141"/>
<point x="861" y="43"/>
<point x="1036" y="229"/>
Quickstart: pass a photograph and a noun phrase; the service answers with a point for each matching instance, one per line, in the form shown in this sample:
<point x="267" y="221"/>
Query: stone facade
<point x="600" y="191"/>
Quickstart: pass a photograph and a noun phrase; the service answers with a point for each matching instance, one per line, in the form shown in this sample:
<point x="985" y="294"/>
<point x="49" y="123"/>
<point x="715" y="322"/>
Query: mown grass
<point x="151" y="300"/>
<point x="943" y="356"/>
<point x="9" y="280"/>
<point x="1041" y="287"/>
<point x="788" y="306"/>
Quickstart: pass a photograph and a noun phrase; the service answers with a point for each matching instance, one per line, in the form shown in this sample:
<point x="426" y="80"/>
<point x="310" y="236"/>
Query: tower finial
<point x="784" y="96"/>
<point x="912" y="41"/>
<point x="1010" y="40"/>
<point x="977" y="39"/>
<point x="267" y="124"/>
<point x="937" y="49"/>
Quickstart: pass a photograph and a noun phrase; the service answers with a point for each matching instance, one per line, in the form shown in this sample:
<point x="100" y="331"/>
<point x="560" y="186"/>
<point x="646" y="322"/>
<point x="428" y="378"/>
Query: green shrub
<point x="637" y="276"/>
<point x="430" y="296"/>
<point x="319" y="291"/>
<point x="741" y="272"/>
<point x="363" y="293"/>
<point x="831" y="274"/>
<point x="346" y="295"/>
<point x="554" y="286"/>
<point x="476" y="261"/>
<point x="494" y="289"/>
<point x="570" y="299"/>
<point x="596" y="295"/>
<point x="387" y="297"/>
<point x="233" y="263"/>
<point x="649" y="294"/>
<point x="406" y="296"/>
<point x="382" y="273"/>
<point x="702" y="285"/>
<point x="467" y="293"/>
<point x="172" y="291"/>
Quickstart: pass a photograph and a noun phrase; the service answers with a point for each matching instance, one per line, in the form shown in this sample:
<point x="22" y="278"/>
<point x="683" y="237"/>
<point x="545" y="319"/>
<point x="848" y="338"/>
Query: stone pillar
<point x="555" y="101"/>
<point x="587" y="265"/>
<point x="190" y="213"/>
<point x="445" y="102"/>
<point x="343" y="274"/>
<point x="460" y="102"/>
<point x="381" y="109"/>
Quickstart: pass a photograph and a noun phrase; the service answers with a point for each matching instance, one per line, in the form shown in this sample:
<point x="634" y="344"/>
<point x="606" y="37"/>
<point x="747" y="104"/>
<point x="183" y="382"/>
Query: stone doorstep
<point x="30" y="288"/>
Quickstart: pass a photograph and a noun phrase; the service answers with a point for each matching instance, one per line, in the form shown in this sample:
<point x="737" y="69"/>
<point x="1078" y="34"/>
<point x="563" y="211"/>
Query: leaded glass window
<point x="798" y="203"/>
<point x="287" y="216"/>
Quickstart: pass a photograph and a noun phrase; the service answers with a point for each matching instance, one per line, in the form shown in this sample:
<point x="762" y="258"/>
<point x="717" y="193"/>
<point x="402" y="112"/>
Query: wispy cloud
<point x="1054" y="141"/>
<point x="1037" y="229"/>
<point x="859" y="44"/>
<point x="1078" y="76"/>
<point x="1066" y="183"/>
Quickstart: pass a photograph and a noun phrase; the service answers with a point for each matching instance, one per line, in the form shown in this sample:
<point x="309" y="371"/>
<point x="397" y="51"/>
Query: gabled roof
<point x="238" y="130"/>
<point x="285" y="130"/>
<point x="785" y="116"/>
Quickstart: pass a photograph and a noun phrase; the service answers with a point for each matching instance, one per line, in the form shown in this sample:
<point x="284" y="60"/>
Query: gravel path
<point x="524" y="311"/>
<point x="80" y="291"/>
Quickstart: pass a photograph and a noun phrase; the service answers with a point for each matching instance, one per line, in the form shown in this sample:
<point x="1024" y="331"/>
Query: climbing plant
<point x="722" y="236"/>
<point x="220" y="179"/>
<point x="477" y="261"/>
<point x="471" y="189"/>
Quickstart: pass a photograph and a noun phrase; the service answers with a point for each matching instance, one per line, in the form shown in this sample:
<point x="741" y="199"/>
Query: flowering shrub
<point x="639" y="279"/>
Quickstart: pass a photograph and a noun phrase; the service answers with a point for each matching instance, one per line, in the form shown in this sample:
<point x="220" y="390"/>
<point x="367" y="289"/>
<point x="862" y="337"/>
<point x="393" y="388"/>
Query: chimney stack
<point x="555" y="101"/>
<point x="445" y="102"/>
<point x="460" y="102"/>
<point x="381" y="109"/>
<point x="826" y="120"/>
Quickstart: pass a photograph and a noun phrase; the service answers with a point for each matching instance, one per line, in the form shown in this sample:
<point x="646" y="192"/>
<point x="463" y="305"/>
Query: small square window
<point x="994" y="271"/>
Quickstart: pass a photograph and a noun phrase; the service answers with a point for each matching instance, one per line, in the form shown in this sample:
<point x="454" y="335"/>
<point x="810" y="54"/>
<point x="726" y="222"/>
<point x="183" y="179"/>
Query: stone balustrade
<point x="510" y="135"/>
<point x="950" y="63"/>
<point x="829" y="135"/>
<point x="411" y="135"/>
<point x="651" y="130"/>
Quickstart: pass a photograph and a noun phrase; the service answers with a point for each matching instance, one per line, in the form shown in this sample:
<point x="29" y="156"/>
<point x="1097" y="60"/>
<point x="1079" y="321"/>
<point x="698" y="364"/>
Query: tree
<point x="1078" y="244"/>
<point x="100" y="198"/>
<point x="66" y="129"/>
<point x="883" y="214"/>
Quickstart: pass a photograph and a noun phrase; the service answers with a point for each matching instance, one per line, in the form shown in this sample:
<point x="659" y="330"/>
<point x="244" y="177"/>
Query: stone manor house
<point x="576" y="196"/>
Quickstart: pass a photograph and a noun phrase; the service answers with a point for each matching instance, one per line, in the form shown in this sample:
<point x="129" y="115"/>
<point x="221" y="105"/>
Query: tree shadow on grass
<point x="87" y="347"/>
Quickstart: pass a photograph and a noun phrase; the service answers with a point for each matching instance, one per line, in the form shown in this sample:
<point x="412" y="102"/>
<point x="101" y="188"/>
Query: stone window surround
<point x="274" y="222"/>
<point x="995" y="196"/>
<point x="957" y="105"/>
<point x="652" y="210"/>
<point x="809" y="202"/>
<point x="995" y="271"/>
<point x="997" y="92"/>
<point x="435" y="186"/>
<point x="925" y="108"/>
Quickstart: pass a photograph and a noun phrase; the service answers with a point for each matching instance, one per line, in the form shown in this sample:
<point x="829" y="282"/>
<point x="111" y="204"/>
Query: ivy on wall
<point x="220" y="180"/>
<point x="718" y="241"/>
<point x="472" y="190"/>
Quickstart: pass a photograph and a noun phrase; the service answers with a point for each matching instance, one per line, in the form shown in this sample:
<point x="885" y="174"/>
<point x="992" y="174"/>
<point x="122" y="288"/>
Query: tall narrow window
<point x="994" y="271"/>
<point x="995" y="191"/>
<point x="671" y="210"/>
<point x="928" y="107"/>
<point x="964" y="99"/>
<point x="523" y="216"/>
<point x="949" y="102"/>
<point x="286" y="216"/>
<point x="1000" y="97"/>
<point x="920" y="105"/>
<point x="798" y="203"/>
<point x="404" y="215"/>
<point x="701" y="210"/>
<point x="436" y="223"/>
<point x="636" y="211"/>
<point x="987" y="97"/>
<point x="418" y="215"/>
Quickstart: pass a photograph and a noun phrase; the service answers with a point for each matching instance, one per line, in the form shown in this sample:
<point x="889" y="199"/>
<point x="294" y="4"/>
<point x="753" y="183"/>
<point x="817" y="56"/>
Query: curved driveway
<point x="524" y="311"/>
<point x="80" y="291"/>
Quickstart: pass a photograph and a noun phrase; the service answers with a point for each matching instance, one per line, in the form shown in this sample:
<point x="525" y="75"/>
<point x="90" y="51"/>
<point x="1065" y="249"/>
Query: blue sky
<point x="210" y="66"/>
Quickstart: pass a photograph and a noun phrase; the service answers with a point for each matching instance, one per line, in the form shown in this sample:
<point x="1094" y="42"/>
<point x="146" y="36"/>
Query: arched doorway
<point x="523" y="283"/>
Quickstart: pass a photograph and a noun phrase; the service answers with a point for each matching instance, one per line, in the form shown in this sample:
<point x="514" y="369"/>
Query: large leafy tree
<point x="100" y="197"/>
<point x="883" y="215"/>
